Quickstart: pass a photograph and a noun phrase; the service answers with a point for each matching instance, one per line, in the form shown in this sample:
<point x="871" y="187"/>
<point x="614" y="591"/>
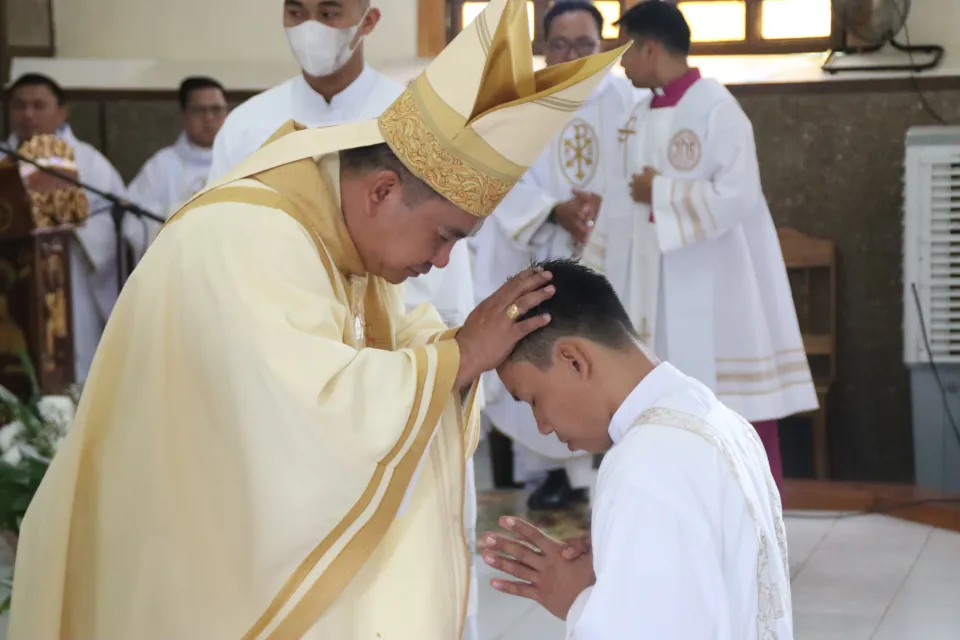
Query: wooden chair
<point x="812" y="269"/>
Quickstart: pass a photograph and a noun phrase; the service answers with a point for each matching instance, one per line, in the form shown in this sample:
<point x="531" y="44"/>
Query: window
<point x="717" y="26"/>
<point x="462" y="12"/>
<point x="759" y="26"/>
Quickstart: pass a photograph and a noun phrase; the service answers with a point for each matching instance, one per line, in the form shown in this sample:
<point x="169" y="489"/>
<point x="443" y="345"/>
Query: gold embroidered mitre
<point x="473" y="122"/>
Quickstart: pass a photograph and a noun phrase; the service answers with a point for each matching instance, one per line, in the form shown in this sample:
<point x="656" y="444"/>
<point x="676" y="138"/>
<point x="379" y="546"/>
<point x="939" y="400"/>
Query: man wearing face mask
<point x="326" y="38"/>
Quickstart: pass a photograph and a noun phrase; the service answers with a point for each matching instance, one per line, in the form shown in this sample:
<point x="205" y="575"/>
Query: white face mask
<point x="322" y="50"/>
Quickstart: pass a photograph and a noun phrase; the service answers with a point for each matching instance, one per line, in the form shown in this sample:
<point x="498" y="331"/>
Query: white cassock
<point x="450" y="290"/>
<point x="93" y="252"/>
<point x="703" y="277"/>
<point x="253" y="122"/>
<point x="168" y="179"/>
<point x="583" y="157"/>
<point x="687" y="526"/>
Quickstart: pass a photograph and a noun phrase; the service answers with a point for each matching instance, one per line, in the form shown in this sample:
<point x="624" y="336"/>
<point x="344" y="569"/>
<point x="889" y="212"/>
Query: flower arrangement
<point x="33" y="432"/>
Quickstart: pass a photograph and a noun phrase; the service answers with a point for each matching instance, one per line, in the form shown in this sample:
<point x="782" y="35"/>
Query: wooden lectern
<point x="38" y="213"/>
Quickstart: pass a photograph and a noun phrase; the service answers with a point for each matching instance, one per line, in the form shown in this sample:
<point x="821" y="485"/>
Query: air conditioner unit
<point x="931" y="301"/>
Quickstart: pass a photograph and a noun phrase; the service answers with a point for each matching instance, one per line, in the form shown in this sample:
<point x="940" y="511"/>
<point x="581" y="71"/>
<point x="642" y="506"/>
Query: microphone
<point x="119" y="207"/>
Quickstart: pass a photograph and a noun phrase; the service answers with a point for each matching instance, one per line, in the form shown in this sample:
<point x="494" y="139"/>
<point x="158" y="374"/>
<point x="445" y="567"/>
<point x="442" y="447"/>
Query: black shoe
<point x="501" y="461"/>
<point x="555" y="493"/>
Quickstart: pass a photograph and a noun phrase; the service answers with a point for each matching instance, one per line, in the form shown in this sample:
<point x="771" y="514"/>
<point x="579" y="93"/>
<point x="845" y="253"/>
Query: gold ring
<point x="513" y="312"/>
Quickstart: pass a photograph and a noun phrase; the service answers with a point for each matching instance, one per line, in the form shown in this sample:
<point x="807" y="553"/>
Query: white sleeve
<point x="690" y="211"/>
<point x="97" y="235"/>
<point x="223" y="155"/>
<point x="146" y="191"/>
<point x="523" y="213"/>
<point x="656" y="576"/>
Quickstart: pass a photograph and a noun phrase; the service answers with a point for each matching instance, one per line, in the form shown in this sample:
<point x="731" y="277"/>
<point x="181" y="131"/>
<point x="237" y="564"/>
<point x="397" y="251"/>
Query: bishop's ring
<point x="513" y="312"/>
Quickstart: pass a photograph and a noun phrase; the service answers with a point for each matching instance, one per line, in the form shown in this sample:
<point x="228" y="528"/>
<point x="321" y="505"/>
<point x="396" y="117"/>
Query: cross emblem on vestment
<point x="629" y="129"/>
<point x="579" y="151"/>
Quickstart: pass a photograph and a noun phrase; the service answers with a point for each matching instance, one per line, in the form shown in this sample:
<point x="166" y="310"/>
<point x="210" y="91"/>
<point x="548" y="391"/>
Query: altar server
<point x="551" y="214"/>
<point x="174" y="174"/>
<point x="335" y="86"/>
<point x="688" y="540"/>
<point x="38" y="106"/>
<point x="687" y="238"/>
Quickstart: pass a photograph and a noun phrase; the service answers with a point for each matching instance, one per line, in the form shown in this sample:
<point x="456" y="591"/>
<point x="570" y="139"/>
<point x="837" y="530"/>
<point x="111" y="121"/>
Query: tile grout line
<point x="823" y="536"/>
<point x="902" y="583"/>
<point x="516" y="622"/>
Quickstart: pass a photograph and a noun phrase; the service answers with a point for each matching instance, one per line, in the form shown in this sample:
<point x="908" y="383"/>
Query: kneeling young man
<point x="687" y="531"/>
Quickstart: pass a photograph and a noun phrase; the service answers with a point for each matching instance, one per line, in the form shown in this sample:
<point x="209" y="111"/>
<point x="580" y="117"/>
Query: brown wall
<point x="832" y="166"/>
<point x="831" y="156"/>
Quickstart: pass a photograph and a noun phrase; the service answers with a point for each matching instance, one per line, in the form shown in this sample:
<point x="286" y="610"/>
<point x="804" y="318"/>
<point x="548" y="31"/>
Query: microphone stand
<point x="118" y="206"/>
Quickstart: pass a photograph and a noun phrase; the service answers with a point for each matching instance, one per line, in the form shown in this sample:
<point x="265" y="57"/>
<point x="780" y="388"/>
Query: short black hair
<point x="40" y="80"/>
<point x="561" y="7"/>
<point x="380" y="156"/>
<point x="195" y="83"/>
<point x="584" y="305"/>
<point x="658" y="20"/>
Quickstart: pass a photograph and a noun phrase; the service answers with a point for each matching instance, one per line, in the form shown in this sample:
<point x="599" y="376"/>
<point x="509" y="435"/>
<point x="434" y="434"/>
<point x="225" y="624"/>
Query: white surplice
<point x="93" y="252"/>
<point x="687" y="526"/>
<point x="169" y="178"/>
<point x="253" y="122"/>
<point x="583" y="156"/>
<point x="703" y="278"/>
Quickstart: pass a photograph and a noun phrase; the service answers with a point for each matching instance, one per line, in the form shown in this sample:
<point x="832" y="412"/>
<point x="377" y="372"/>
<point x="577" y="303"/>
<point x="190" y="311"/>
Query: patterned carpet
<point x="562" y="525"/>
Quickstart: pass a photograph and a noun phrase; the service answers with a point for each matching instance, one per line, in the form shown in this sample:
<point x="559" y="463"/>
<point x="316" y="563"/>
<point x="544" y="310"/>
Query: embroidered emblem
<point x="773" y="594"/>
<point x="578" y="152"/>
<point x="685" y="150"/>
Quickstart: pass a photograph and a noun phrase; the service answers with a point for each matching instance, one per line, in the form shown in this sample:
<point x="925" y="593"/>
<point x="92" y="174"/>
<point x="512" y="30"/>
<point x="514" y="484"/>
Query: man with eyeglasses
<point x="551" y="214"/>
<point x="174" y="174"/>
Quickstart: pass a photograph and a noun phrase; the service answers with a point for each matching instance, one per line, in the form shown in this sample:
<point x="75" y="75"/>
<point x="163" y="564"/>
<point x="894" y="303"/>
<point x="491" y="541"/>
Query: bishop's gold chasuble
<point x="267" y="447"/>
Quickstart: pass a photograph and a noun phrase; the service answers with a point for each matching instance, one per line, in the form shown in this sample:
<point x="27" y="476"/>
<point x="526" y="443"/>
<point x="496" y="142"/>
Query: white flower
<point x="13" y="456"/>
<point x="57" y="409"/>
<point x="9" y="435"/>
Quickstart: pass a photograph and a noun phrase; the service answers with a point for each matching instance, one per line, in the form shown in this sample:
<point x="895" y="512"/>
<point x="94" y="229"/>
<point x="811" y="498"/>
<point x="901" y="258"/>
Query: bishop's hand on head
<point x="493" y="329"/>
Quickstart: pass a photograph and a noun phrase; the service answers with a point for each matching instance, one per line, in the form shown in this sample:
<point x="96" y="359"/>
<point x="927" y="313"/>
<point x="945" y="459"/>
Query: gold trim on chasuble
<point x="392" y="474"/>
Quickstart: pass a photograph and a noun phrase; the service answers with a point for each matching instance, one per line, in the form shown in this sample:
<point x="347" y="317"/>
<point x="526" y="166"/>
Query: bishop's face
<point x="399" y="231"/>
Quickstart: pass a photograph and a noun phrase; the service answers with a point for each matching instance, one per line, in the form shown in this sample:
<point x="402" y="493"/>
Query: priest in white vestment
<point x="38" y="106"/>
<point x="335" y="85"/>
<point x="687" y="238"/>
<point x="688" y="540"/>
<point x="549" y="215"/>
<point x="176" y="173"/>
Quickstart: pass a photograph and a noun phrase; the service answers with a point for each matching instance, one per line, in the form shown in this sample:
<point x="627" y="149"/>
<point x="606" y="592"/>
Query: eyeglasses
<point x="201" y="111"/>
<point x="583" y="47"/>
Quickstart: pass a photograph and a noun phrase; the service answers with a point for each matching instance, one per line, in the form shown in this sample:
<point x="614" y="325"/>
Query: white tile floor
<point x="862" y="578"/>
